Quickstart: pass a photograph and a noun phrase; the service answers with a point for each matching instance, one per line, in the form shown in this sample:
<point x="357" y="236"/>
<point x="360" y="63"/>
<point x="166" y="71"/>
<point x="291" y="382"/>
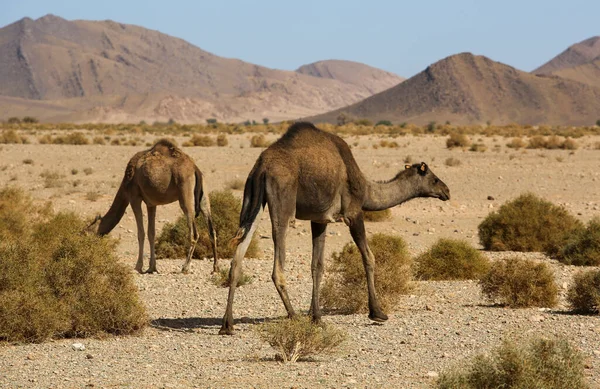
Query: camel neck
<point x="383" y="195"/>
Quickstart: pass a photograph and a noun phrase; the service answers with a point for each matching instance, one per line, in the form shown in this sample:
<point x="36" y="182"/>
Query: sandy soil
<point x="437" y="326"/>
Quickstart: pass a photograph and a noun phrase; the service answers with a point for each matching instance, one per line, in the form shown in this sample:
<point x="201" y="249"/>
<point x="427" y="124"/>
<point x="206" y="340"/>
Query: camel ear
<point x="423" y="169"/>
<point x="407" y="166"/>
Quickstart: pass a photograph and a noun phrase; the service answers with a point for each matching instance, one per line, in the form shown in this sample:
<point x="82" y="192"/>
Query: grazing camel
<point x="311" y="175"/>
<point x="161" y="175"/>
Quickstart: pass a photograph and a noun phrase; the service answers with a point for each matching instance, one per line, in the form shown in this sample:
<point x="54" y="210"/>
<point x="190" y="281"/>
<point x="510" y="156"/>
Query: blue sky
<point x="398" y="36"/>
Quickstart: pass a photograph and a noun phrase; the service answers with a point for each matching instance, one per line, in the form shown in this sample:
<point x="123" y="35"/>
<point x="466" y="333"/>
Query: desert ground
<point x="438" y="325"/>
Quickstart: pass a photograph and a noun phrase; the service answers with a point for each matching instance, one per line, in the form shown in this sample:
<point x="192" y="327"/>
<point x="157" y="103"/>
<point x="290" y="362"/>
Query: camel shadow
<point x="189" y="324"/>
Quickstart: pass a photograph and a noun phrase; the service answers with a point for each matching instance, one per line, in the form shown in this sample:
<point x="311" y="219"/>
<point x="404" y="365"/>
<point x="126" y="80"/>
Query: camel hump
<point x="166" y="148"/>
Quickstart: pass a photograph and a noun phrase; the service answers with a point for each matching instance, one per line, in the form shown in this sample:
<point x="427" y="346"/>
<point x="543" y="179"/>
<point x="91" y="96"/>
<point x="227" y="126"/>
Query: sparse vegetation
<point x="516" y="143"/>
<point x="56" y="282"/>
<point x="457" y="140"/>
<point x="235" y="184"/>
<point x="221" y="278"/>
<point x="584" y="292"/>
<point x="451" y="259"/>
<point x="527" y="223"/>
<point x="92" y="196"/>
<point x="480" y="147"/>
<point x="222" y="140"/>
<point x="551" y="143"/>
<point x="582" y="246"/>
<point x="11" y="137"/>
<point x="258" y="141"/>
<point x="538" y="363"/>
<point x="452" y="161"/>
<point x="88" y="171"/>
<point x="200" y="140"/>
<point x="52" y="179"/>
<point x="378" y="216"/>
<point x="345" y="289"/>
<point x="520" y="283"/>
<point x="173" y="241"/>
<point x="299" y="338"/>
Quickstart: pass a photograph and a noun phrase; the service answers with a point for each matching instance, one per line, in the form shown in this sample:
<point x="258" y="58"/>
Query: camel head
<point x="427" y="183"/>
<point x="92" y="228"/>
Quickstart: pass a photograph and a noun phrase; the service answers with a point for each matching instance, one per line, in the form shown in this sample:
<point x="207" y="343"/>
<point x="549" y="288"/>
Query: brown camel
<point x="311" y="175"/>
<point x="161" y="175"/>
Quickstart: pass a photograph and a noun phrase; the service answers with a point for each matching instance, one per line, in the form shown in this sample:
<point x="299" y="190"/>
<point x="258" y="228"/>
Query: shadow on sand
<point x="189" y="324"/>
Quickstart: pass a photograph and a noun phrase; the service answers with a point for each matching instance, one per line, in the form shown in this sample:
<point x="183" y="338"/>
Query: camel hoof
<point x="378" y="317"/>
<point x="139" y="270"/>
<point x="226" y="331"/>
<point x="151" y="271"/>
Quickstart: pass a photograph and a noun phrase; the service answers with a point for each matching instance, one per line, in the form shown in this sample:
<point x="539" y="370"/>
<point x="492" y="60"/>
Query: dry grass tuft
<point x="527" y="223"/>
<point x="200" y="140"/>
<point x="345" y="290"/>
<point x="584" y="293"/>
<point x="457" y="140"/>
<point x="452" y="161"/>
<point x="92" y="196"/>
<point x="582" y="246"/>
<point x="378" y="216"/>
<point x="225" y="207"/>
<point x="451" y="259"/>
<point x="516" y="143"/>
<point x="519" y="283"/>
<point x="235" y="184"/>
<point x="52" y="179"/>
<point x="258" y="141"/>
<point x="221" y="278"/>
<point x="539" y="363"/>
<point x="222" y="140"/>
<point x="11" y="137"/>
<point x="299" y="338"/>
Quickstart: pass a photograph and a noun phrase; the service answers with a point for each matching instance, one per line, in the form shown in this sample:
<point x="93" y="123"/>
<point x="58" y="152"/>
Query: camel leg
<point x="318" y="241"/>
<point x="187" y="206"/>
<point x="136" y="206"/>
<point x="234" y="275"/>
<point x="281" y="211"/>
<point x="205" y="210"/>
<point x="357" y="230"/>
<point x="151" y="236"/>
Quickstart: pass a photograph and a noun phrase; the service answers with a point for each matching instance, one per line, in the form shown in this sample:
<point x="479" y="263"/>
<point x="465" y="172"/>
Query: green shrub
<point x="386" y="123"/>
<point x="451" y="259"/>
<point x="57" y="282"/>
<point x="300" y="338"/>
<point x="582" y="247"/>
<point x="173" y="241"/>
<point x="345" y="290"/>
<point x="527" y="223"/>
<point x="540" y="363"/>
<point x="377" y="216"/>
<point x="519" y="283"/>
<point x="457" y="140"/>
<point x="584" y="293"/>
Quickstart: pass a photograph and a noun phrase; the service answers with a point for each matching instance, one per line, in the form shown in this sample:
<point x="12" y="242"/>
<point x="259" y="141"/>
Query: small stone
<point x="428" y="308"/>
<point x="536" y="318"/>
<point x="491" y="198"/>
<point x="89" y="356"/>
<point x="431" y="230"/>
<point x="78" y="346"/>
<point x="433" y="374"/>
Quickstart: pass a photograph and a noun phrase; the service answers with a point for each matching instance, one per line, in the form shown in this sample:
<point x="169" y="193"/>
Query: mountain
<point x="108" y="71"/>
<point x="468" y="89"/>
<point x="354" y="73"/>
<point x="578" y="54"/>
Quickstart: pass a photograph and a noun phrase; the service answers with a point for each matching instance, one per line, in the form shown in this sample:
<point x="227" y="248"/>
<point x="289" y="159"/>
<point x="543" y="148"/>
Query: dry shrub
<point x="88" y="171"/>
<point x="519" y="283"/>
<point x="258" y="141"/>
<point x="527" y="223"/>
<point x="451" y="259"/>
<point x="75" y="138"/>
<point x="98" y="140"/>
<point x="378" y="216"/>
<point x="345" y="290"/>
<point x="516" y="143"/>
<point x="569" y="144"/>
<point x="299" y="338"/>
<point x="235" y="184"/>
<point x="584" y="293"/>
<point x="57" y="282"/>
<point x="389" y="144"/>
<point x="200" y="140"/>
<point x="582" y="247"/>
<point x="11" y="137"/>
<point x="457" y="140"/>
<point x="480" y="147"/>
<point x="221" y="278"/>
<point x="173" y="241"/>
<point x="222" y="140"/>
<point x="18" y="213"/>
<point x="452" y="161"/>
<point x="537" y="142"/>
<point x="52" y="179"/>
<point x="92" y="196"/>
<point x="537" y="363"/>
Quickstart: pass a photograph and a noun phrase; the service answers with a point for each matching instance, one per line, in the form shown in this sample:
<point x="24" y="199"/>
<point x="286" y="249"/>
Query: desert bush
<point x="478" y="147"/>
<point x="18" y="212"/>
<point x="88" y="171"/>
<point x="537" y="142"/>
<point x="457" y="140"/>
<point x="235" y="184"/>
<point x="221" y="278"/>
<point x="258" y="141"/>
<point x="516" y="143"/>
<point x="346" y="288"/>
<point x="98" y="140"/>
<point x="569" y="144"/>
<point x="57" y="282"/>
<point x="52" y="179"/>
<point x="30" y="119"/>
<point x="10" y="136"/>
<point x="582" y="246"/>
<point x="222" y="140"/>
<point x="377" y="216"/>
<point x="75" y="138"/>
<point x="173" y="241"/>
<point x="200" y="140"/>
<point x="583" y="294"/>
<point x="299" y="338"/>
<point x="452" y="161"/>
<point x="519" y="282"/>
<point x="389" y="144"/>
<point x="383" y="123"/>
<point x="451" y="259"/>
<point x="537" y="363"/>
<point x="527" y="223"/>
<point x="92" y="196"/>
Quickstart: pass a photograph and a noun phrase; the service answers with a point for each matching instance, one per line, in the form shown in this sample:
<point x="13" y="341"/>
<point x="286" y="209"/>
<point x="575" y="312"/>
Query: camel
<point x="161" y="175"/>
<point x="311" y="175"/>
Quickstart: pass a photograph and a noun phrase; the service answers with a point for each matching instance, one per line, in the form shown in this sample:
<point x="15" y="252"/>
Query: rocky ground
<point x="439" y="325"/>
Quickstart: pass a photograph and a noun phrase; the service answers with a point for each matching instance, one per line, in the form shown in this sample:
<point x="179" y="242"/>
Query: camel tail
<point x="198" y="192"/>
<point x="254" y="200"/>
<point x="115" y="212"/>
